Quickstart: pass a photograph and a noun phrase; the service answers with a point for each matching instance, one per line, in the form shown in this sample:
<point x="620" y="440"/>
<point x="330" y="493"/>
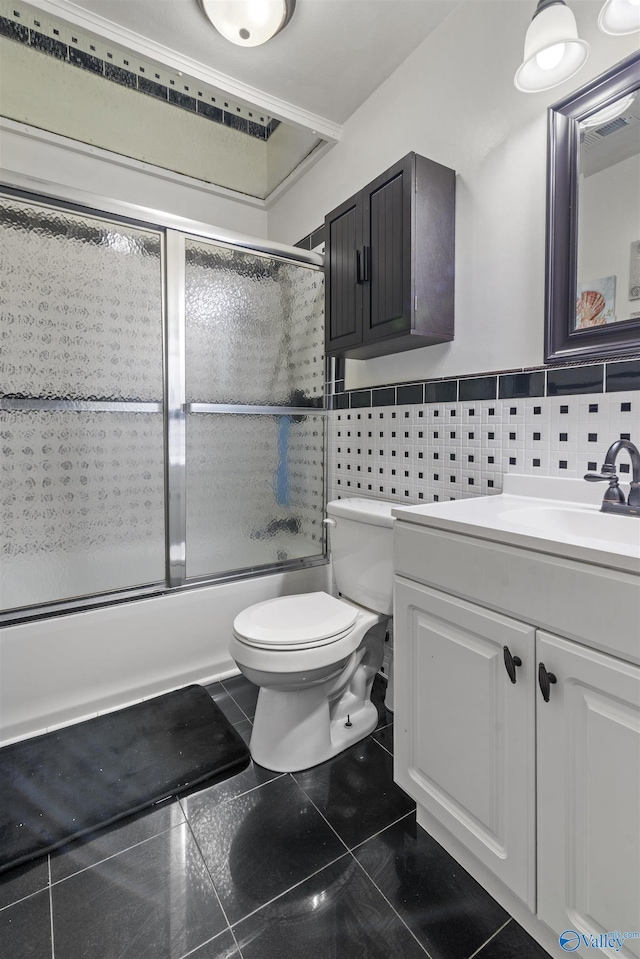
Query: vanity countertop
<point x="547" y="514"/>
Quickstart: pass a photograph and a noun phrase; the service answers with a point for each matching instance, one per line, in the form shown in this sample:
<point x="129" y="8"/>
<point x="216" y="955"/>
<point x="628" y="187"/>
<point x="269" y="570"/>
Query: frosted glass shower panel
<point x="81" y="504"/>
<point x="254" y="490"/>
<point x="80" y="306"/>
<point x="254" y="329"/>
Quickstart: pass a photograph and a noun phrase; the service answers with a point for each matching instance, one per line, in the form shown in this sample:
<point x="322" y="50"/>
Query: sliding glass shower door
<point x="254" y="376"/>
<point x="161" y="409"/>
<point x="81" y="406"/>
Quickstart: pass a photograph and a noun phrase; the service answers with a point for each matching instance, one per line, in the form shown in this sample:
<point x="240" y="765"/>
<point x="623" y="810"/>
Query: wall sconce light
<point x="619" y="17"/>
<point x="248" y="22"/>
<point x="553" y="51"/>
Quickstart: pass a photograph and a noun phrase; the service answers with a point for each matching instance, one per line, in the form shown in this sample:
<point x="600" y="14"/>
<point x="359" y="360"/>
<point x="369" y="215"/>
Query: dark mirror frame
<point x="563" y="343"/>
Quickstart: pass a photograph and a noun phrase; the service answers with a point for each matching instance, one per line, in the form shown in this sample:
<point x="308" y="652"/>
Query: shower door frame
<point x="174" y="232"/>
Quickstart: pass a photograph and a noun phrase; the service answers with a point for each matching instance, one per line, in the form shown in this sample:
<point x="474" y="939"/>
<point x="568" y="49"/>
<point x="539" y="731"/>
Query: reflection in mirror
<point x="608" y="272"/>
<point x="592" y="297"/>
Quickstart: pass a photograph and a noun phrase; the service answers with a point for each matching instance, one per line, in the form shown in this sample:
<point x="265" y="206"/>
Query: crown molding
<point x="144" y="47"/>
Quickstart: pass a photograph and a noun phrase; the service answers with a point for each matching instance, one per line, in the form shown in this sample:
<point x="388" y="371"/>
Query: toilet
<point x="315" y="656"/>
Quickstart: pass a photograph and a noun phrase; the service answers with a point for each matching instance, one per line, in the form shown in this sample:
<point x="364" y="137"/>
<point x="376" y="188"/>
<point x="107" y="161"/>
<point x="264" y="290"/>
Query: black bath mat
<point x="63" y="784"/>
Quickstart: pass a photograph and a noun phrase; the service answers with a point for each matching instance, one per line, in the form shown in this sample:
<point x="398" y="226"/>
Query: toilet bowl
<point x="315" y="656"/>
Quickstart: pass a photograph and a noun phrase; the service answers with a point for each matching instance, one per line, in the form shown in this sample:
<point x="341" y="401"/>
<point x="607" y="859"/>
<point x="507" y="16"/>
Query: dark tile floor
<point x="324" y="864"/>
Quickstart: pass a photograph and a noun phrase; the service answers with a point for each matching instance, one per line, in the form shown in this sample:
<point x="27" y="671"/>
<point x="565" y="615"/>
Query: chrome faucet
<point x="614" y="500"/>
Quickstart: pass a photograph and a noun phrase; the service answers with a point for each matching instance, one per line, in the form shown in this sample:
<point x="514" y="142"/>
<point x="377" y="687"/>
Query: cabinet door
<point x="386" y="237"/>
<point x="589" y="795"/>
<point x="343" y="269"/>
<point x="464" y="733"/>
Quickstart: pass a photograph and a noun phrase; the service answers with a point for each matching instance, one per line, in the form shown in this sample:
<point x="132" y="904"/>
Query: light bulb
<point x="257" y="13"/>
<point x="551" y="57"/>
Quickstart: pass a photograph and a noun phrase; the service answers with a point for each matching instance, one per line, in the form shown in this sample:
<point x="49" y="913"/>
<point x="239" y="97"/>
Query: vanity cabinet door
<point x="589" y="794"/>
<point x="464" y="733"/>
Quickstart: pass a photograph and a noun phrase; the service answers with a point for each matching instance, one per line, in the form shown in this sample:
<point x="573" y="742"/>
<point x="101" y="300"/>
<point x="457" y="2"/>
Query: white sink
<point x="548" y="514"/>
<point x="585" y="522"/>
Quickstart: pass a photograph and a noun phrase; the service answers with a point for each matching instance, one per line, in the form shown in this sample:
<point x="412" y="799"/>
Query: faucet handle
<point x="614" y="494"/>
<point x="607" y="472"/>
<point x="596" y="477"/>
<point x="634" y="495"/>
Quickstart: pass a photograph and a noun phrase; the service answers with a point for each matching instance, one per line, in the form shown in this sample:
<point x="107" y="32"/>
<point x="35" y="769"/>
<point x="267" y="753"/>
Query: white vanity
<point x="539" y="800"/>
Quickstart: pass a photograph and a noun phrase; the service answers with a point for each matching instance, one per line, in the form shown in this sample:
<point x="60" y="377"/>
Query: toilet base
<point x="311" y="741"/>
<point x="363" y="722"/>
<point x="297" y="729"/>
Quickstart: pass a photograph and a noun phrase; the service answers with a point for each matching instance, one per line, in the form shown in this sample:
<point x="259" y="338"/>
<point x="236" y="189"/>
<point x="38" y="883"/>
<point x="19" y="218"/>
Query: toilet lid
<point x="295" y="622"/>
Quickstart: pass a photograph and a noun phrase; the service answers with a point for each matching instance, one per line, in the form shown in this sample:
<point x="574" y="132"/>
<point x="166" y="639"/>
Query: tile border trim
<point x="609" y="377"/>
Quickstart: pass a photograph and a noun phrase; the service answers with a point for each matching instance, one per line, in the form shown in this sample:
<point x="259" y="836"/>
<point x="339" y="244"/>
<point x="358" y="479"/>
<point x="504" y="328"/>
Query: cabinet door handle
<point x="366" y="260"/>
<point x="545" y="680"/>
<point x="510" y="663"/>
<point x="358" y="266"/>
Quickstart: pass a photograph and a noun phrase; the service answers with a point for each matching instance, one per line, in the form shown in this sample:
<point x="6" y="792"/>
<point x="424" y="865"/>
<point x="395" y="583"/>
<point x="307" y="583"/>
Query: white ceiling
<point x="324" y="64"/>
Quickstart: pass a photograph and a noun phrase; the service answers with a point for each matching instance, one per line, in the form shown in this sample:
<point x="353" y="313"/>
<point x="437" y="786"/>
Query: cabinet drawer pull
<point x="510" y="663"/>
<point x="545" y="681"/>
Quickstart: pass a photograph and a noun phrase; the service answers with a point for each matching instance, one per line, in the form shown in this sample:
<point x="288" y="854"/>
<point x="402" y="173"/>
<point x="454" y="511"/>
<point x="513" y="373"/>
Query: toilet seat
<point x="297" y="622"/>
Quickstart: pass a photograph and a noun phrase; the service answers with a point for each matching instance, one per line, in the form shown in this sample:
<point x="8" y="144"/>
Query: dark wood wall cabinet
<point x="389" y="262"/>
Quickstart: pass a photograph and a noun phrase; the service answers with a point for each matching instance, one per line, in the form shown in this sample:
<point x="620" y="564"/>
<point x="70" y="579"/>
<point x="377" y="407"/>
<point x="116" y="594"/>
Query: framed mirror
<point x="592" y="299"/>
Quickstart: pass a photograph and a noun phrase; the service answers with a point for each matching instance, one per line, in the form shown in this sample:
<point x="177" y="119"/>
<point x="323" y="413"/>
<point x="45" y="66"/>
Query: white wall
<point x="454" y="101"/>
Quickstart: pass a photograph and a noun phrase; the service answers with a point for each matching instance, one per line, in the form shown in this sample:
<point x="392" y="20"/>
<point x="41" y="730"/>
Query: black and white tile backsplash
<point x="434" y="451"/>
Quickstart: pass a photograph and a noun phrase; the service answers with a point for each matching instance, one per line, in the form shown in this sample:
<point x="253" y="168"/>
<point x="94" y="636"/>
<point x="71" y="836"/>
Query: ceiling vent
<point x="613" y="126"/>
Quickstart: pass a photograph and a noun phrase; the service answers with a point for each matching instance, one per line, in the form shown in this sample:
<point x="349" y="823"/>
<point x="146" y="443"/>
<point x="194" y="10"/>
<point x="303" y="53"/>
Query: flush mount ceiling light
<point x="553" y="51"/>
<point x="248" y="22"/>
<point x="619" y="17"/>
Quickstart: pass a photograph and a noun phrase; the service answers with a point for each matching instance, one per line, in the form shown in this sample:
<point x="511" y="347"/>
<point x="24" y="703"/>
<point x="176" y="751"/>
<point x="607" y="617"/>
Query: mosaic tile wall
<point x="413" y="452"/>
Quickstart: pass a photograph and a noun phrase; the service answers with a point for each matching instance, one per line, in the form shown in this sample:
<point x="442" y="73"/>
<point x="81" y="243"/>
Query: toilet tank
<point x="361" y="544"/>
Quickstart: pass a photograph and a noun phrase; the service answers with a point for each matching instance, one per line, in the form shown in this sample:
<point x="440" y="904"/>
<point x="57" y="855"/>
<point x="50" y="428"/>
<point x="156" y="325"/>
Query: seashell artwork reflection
<point x="595" y="303"/>
<point x="589" y="309"/>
